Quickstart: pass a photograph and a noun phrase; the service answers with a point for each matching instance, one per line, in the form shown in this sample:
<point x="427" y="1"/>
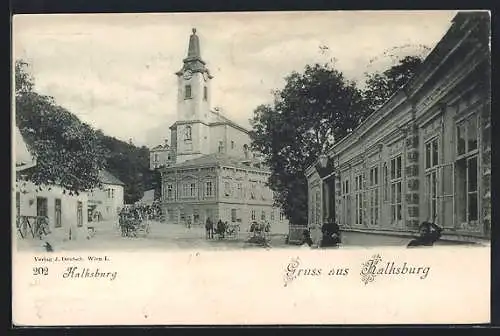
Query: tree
<point x="381" y="85"/>
<point x="314" y="108"/>
<point x="68" y="151"/>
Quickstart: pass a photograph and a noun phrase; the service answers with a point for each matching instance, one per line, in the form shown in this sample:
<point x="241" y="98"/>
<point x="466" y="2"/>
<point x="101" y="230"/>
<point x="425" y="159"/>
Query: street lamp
<point x="323" y="160"/>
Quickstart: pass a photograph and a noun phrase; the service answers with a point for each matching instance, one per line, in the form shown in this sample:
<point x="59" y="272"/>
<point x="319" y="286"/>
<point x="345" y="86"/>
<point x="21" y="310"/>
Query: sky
<point x="116" y="71"/>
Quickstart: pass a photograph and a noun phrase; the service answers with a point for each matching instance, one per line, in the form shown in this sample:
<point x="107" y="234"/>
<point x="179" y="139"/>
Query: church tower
<point x="190" y="133"/>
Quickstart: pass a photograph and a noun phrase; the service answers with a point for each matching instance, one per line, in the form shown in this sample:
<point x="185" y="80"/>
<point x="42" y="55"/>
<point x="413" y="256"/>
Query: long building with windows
<point x="425" y="155"/>
<point x="213" y="173"/>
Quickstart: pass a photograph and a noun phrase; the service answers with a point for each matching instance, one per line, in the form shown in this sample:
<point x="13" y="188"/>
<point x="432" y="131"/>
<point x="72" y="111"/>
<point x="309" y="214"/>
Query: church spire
<point x="193" y="61"/>
<point x="194" y="46"/>
<point x="194" y="54"/>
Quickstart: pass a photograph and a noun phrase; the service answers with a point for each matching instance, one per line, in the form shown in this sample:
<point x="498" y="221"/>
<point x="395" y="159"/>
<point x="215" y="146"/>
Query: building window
<point x="57" y="213"/>
<point x="282" y="216"/>
<point x="466" y="172"/>
<point x="239" y="190"/>
<point x="112" y="193"/>
<point x="358" y="190"/>
<point x="396" y="190"/>
<point x="232" y="144"/>
<point x="208" y="188"/>
<point x="263" y="215"/>
<point x="346" y="200"/>
<point x="431" y="177"/>
<point x="253" y="215"/>
<point x="233" y="215"/>
<point x="187" y="133"/>
<point x="170" y="191"/>
<point x="205" y="93"/>
<point x="253" y="192"/>
<point x="79" y="214"/>
<point x="185" y="190"/>
<point x="221" y="147"/>
<point x="157" y="157"/>
<point x="272" y="214"/>
<point x="373" y="196"/>
<point x="187" y="92"/>
<point x="192" y="189"/>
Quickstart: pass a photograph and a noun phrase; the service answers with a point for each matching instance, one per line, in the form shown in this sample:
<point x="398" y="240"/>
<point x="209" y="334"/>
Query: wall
<point x="107" y="202"/>
<point x="28" y="194"/>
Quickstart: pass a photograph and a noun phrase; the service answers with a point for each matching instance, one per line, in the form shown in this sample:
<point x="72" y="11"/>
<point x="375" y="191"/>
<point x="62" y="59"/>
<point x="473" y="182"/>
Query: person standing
<point x="209" y="227"/>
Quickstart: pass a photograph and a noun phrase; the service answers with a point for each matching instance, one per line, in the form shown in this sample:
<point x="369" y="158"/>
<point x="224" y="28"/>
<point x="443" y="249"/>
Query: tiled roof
<point x="107" y="178"/>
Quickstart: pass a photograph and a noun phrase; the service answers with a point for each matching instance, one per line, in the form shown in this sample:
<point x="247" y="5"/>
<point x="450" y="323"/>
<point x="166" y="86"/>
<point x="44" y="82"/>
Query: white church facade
<point x="213" y="173"/>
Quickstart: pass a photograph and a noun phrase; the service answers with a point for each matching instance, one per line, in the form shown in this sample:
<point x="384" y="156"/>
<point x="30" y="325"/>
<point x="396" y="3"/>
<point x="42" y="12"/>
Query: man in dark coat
<point x="209" y="227"/>
<point x="306" y="238"/>
<point x="331" y="233"/>
<point x="429" y="234"/>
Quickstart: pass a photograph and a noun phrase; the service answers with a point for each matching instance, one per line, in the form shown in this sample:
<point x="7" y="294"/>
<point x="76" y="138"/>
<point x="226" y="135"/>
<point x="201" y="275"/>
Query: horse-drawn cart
<point x="134" y="226"/>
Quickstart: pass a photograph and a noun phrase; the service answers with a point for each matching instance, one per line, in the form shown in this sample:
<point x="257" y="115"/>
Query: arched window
<point x="187" y="134"/>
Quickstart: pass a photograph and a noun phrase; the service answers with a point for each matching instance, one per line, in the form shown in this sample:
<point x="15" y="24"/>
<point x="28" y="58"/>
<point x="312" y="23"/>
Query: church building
<point x="213" y="172"/>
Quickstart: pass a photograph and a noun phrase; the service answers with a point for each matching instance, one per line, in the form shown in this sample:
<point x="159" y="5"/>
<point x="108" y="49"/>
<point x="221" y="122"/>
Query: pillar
<point x="412" y="178"/>
<point x="485" y="171"/>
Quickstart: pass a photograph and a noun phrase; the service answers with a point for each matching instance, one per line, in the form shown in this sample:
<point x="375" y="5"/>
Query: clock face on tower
<point x="188" y="74"/>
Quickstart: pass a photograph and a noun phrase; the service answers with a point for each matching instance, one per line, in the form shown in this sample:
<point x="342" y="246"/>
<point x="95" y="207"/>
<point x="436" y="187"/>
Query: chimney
<point x="166" y="143"/>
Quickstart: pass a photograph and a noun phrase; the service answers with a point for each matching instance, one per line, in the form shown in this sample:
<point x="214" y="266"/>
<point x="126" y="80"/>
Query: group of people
<point x="219" y="228"/>
<point x="429" y="233"/>
<point x="130" y="218"/>
<point x="330" y="235"/>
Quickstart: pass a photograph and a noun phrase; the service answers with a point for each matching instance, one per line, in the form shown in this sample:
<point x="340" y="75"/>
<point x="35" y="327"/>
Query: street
<point x="171" y="236"/>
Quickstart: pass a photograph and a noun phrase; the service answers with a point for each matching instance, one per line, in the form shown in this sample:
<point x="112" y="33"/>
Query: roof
<point x="107" y="178"/>
<point x="160" y="147"/>
<point x="429" y="65"/>
<point x="24" y="159"/>
<point x="219" y="118"/>
<point x="216" y="159"/>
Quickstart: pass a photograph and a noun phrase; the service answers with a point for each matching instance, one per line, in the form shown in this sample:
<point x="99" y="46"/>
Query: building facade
<point x="160" y="156"/>
<point x="215" y="173"/>
<point x="425" y="155"/>
<point x="106" y="202"/>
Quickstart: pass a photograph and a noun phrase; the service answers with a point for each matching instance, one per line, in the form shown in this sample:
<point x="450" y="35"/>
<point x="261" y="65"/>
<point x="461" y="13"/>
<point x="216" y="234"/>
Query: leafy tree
<point x="381" y="85"/>
<point x="68" y="152"/>
<point x="314" y="108"/>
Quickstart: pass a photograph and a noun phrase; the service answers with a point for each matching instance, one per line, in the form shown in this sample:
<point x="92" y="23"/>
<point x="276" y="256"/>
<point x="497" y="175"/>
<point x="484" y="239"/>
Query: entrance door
<point x="41" y="206"/>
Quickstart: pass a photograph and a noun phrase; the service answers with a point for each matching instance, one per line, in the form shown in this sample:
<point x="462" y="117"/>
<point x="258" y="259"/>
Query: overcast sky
<point x="116" y="71"/>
